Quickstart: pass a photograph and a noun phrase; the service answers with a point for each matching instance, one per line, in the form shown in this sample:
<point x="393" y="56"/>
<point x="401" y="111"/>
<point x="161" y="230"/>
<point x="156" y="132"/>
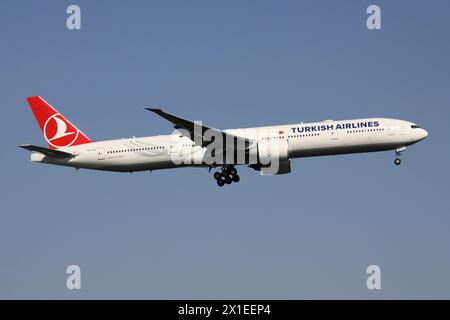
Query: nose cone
<point x="422" y="134"/>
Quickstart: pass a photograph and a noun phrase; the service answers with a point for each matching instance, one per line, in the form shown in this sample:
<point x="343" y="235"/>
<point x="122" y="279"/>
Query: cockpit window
<point x="415" y="126"/>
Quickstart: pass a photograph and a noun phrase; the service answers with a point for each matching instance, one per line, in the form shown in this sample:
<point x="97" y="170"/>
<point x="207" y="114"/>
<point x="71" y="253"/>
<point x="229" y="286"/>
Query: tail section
<point x="57" y="130"/>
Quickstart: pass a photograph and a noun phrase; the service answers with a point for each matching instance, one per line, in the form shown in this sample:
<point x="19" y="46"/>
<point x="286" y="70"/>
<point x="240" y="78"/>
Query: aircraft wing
<point x="198" y="131"/>
<point x="47" y="151"/>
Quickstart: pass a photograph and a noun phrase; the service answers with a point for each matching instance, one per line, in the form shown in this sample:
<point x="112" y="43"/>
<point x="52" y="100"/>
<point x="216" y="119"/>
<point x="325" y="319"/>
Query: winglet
<point x="155" y="110"/>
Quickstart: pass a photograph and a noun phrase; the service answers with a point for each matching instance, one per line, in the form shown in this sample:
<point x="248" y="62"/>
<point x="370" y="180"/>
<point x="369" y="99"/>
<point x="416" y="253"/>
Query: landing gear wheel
<point x="228" y="175"/>
<point x="398" y="153"/>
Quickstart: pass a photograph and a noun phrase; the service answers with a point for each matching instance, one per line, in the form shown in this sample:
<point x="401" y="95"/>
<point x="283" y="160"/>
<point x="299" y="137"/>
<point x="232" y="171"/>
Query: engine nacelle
<point x="271" y="157"/>
<point x="274" y="150"/>
<point x="283" y="167"/>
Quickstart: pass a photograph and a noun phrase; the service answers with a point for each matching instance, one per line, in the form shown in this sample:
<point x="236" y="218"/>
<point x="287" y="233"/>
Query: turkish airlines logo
<point x="59" y="132"/>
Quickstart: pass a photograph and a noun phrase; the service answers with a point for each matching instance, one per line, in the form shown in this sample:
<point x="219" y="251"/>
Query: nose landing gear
<point x="227" y="176"/>
<point x="398" y="153"/>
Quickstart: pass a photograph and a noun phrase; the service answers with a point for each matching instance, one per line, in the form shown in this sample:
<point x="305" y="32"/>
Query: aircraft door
<point x="101" y="153"/>
<point x="336" y="137"/>
<point x="392" y="131"/>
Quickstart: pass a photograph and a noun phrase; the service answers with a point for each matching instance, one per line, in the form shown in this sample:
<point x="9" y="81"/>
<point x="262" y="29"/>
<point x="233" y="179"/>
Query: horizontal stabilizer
<point x="47" y="151"/>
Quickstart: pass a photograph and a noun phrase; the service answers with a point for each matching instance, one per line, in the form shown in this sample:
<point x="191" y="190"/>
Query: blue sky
<point x="175" y="234"/>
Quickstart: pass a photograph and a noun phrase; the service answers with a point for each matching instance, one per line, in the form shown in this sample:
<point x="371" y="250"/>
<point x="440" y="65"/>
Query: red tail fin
<point x="58" y="131"/>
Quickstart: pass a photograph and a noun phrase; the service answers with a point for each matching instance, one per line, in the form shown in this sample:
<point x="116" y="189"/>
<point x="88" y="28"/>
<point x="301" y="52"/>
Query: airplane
<point x="193" y="144"/>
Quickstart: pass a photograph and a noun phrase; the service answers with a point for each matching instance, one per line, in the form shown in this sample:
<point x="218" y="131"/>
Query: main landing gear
<point x="398" y="153"/>
<point x="227" y="176"/>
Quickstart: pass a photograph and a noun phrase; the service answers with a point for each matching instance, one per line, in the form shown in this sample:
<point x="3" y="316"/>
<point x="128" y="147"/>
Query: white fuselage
<point x="303" y="140"/>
